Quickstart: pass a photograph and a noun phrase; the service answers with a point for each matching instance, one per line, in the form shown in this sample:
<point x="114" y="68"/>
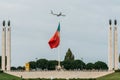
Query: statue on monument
<point x="9" y="23"/>
<point x="4" y="23"/>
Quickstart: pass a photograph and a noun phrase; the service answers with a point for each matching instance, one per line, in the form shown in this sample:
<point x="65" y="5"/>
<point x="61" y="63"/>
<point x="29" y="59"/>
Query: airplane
<point x="58" y="15"/>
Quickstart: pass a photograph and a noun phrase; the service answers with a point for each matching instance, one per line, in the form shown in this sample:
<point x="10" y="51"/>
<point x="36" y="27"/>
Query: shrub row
<point x="117" y="70"/>
<point x="1" y="71"/>
<point x="60" y="79"/>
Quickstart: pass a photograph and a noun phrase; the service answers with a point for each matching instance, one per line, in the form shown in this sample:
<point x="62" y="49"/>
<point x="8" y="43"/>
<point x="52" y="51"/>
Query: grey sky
<point x="84" y="29"/>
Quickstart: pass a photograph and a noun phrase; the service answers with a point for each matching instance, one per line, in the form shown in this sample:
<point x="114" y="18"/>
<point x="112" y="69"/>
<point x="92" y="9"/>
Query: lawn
<point x="4" y="76"/>
<point x="113" y="76"/>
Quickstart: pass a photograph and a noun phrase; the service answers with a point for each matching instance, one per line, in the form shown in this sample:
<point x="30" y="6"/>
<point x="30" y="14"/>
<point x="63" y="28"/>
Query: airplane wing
<point x="63" y="15"/>
<point x="53" y="13"/>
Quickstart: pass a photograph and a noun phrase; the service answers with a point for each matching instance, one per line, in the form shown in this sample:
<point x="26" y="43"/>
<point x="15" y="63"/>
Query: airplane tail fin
<point x="51" y="12"/>
<point x="63" y="15"/>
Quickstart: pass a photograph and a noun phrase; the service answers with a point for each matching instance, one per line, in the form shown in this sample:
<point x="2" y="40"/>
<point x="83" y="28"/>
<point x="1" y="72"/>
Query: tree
<point x="73" y="64"/>
<point x="89" y="66"/>
<point x="42" y="63"/>
<point x="33" y="65"/>
<point x="79" y="64"/>
<point x="0" y="61"/>
<point x="119" y="58"/>
<point x="20" y="68"/>
<point x="67" y="64"/>
<point x="69" y="55"/>
<point x="52" y="64"/>
<point x="100" y="65"/>
<point x="13" y="68"/>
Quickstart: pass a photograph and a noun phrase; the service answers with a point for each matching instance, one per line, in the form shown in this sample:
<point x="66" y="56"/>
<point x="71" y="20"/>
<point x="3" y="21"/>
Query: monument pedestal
<point x="58" y="67"/>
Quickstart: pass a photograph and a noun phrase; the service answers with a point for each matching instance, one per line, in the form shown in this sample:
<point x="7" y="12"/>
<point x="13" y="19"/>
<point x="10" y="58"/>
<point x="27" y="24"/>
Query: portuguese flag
<point x="55" y="39"/>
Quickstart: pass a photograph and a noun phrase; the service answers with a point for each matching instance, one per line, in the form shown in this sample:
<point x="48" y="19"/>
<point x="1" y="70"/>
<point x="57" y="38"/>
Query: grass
<point x="113" y="76"/>
<point x="4" y="76"/>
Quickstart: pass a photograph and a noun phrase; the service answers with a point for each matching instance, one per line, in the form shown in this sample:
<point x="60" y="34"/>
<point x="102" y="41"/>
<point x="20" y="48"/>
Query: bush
<point x="38" y="79"/>
<point x="82" y="79"/>
<point x="117" y="70"/>
<point x="99" y="65"/>
<point x="1" y="71"/>
<point x="61" y="79"/>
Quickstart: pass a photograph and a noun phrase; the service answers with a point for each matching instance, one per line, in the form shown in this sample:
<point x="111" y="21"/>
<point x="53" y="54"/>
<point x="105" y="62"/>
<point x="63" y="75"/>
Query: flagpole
<point x="58" y="57"/>
<point x="59" y="66"/>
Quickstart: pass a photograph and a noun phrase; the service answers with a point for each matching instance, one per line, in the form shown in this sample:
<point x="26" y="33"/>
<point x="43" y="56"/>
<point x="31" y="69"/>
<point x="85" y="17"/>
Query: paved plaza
<point x="60" y="74"/>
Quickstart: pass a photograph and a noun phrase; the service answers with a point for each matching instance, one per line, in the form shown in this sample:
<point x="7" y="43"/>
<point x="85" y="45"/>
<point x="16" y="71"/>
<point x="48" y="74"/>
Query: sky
<point x="84" y="29"/>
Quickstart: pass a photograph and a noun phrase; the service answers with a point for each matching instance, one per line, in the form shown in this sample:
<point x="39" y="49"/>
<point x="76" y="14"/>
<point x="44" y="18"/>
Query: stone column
<point x="3" y="45"/>
<point x="116" y="58"/>
<point x="8" y="48"/>
<point x="110" y="58"/>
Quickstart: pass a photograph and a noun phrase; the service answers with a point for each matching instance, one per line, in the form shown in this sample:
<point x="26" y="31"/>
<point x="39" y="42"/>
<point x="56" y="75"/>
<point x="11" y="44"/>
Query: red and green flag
<point x="55" y="39"/>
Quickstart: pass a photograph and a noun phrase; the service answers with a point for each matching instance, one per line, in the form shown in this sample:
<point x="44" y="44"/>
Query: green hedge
<point x="60" y="79"/>
<point x="82" y="79"/>
<point x="117" y="70"/>
<point x="38" y="79"/>
<point x="1" y="71"/>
